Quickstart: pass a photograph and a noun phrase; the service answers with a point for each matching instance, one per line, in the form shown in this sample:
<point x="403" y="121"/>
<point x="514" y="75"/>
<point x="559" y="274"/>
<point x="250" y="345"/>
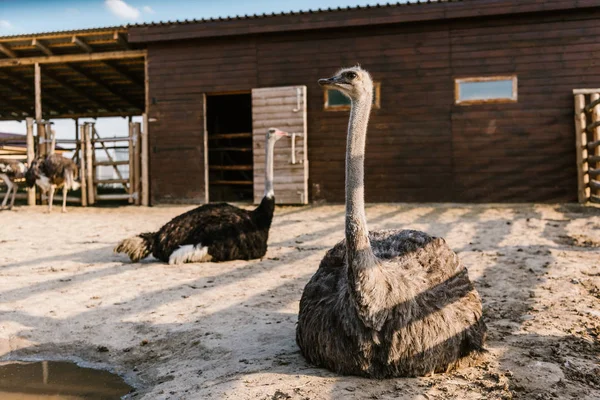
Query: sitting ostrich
<point x="51" y="172"/>
<point x="10" y="172"/>
<point x="212" y="232"/>
<point x="385" y="303"/>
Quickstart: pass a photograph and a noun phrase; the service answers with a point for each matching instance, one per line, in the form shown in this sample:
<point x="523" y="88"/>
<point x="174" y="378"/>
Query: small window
<point x="497" y="89"/>
<point x="336" y="101"/>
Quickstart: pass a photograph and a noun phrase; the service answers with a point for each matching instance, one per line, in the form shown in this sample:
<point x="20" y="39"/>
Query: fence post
<point x="137" y="146"/>
<point x="583" y="179"/>
<point x="89" y="163"/>
<point x="596" y="136"/>
<point x="131" y="188"/>
<point x="82" y="162"/>
<point x="30" y="158"/>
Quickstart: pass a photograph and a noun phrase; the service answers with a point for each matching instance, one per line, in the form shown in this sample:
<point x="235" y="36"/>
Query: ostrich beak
<point x="328" y="81"/>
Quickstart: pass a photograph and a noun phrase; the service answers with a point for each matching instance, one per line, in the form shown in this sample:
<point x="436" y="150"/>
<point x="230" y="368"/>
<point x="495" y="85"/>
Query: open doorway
<point x="229" y="129"/>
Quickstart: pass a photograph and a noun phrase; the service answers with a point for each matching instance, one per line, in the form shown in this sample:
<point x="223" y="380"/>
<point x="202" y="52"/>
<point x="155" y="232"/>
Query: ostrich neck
<point x="270" y="149"/>
<point x="357" y="233"/>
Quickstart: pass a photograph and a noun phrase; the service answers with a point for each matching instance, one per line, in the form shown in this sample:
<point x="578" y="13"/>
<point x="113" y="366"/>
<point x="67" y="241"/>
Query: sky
<point x="32" y="16"/>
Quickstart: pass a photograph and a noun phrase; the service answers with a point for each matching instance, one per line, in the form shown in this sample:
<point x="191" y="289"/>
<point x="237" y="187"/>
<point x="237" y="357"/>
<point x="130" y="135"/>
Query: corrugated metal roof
<point x="286" y="13"/>
<point x="229" y="18"/>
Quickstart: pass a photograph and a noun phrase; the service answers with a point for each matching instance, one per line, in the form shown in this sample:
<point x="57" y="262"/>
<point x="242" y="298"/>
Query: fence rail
<point x="587" y="144"/>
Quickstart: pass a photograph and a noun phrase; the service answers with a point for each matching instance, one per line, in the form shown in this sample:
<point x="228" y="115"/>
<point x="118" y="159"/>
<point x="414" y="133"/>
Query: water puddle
<point x="58" y="381"/>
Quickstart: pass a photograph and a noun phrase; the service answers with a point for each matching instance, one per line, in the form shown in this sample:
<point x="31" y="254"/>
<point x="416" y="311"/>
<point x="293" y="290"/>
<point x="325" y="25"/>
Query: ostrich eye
<point x="351" y="75"/>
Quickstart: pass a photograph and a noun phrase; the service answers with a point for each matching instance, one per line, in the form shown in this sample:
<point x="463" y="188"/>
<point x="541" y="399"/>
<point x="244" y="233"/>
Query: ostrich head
<point x="274" y="134"/>
<point x="33" y="173"/>
<point x="353" y="82"/>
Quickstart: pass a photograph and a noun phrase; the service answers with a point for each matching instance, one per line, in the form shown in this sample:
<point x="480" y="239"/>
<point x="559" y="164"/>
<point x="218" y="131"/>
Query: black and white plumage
<point x="212" y="232"/>
<point x="385" y="303"/>
<point x="51" y="172"/>
<point x="10" y="172"/>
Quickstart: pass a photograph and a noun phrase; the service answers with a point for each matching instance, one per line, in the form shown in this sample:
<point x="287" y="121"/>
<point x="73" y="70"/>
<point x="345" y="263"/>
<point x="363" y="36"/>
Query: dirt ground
<point x="226" y="331"/>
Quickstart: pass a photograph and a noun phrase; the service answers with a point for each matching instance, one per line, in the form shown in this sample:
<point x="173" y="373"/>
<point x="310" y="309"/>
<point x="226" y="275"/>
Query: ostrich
<point x="385" y="303"/>
<point x="10" y="171"/>
<point x="51" y="172"/>
<point x="212" y="232"/>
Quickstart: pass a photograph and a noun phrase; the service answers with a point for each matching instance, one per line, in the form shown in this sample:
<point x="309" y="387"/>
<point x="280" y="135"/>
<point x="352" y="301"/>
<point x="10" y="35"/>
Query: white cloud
<point x="5" y="24"/>
<point x="122" y="9"/>
<point x="148" y="10"/>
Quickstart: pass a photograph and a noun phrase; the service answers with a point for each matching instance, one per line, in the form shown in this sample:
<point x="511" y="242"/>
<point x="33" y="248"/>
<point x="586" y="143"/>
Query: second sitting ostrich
<point x="51" y="172"/>
<point x="385" y="303"/>
<point x="212" y="232"/>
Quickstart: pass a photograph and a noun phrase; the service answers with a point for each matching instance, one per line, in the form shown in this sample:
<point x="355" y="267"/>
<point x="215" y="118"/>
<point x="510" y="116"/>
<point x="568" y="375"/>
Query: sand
<point x="226" y="331"/>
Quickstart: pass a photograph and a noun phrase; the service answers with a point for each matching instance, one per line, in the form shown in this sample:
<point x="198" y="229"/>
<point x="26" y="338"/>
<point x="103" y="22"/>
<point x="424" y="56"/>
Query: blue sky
<point x="30" y="16"/>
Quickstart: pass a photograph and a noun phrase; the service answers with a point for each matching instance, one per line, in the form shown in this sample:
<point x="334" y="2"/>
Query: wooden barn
<point x="473" y="103"/>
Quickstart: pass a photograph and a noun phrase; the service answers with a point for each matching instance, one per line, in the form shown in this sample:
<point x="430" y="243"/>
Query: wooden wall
<point x="421" y="147"/>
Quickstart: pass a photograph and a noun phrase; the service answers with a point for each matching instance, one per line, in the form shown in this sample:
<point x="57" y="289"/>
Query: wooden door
<point x="283" y="108"/>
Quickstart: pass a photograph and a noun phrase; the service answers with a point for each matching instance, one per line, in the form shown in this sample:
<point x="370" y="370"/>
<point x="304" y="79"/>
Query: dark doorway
<point x="229" y="127"/>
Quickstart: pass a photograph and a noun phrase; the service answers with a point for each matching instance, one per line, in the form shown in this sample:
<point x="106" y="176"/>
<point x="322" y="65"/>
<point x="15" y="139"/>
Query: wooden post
<point x="137" y="146"/>
<point x="89" y="163"/>
<point x="145" y="186"/>
<point x="82" y="162"/>
<point x="583" y="178"/>
<point x="131" y="189"/>
<point x="596" y="134"/>
<point x="53" y="140"/>
<point x="30" y="158"/>
<point x="38" y="92"/>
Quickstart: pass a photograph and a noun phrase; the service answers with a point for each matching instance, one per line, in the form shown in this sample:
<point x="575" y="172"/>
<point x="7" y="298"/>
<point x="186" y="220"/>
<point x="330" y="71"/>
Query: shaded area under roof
<point x="92" y="72"/>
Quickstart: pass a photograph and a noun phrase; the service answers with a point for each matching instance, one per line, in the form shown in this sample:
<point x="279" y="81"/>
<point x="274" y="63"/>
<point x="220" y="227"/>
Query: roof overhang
<point x="351" y="17"/>
<point x="86" y="73"/>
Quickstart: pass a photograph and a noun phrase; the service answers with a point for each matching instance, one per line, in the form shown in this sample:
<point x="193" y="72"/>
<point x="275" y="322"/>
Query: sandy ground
<point x="226" y="331"/>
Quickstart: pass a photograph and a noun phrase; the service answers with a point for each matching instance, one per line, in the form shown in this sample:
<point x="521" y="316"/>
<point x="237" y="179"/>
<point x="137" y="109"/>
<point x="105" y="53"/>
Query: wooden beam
<point x="125" y="73"/>
<point x="118" y="37"/>
<point x="109" y="55"/>
<point x="115" y="92"/>
<point x="38" y="92"/>
<point x="583" y="179"/>
<point x="81" y="44"/>
<point x="56" y="103"/>
<point x="80" y="92"/>
<point x="7" y="51"/>
<point x="37" y="43"/>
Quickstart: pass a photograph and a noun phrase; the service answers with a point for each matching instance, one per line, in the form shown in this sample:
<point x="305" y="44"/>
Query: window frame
<point x="500" y="100"/>
<point x="345" y="107"/>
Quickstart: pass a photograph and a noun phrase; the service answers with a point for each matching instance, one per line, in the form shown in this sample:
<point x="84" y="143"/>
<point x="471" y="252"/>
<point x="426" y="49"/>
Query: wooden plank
<point x="108" y="181"/>
<point x="89" y="167"/>
<point x="7" y="51"/>
<point x="81" y="44"/>
<point x="111" y="163"/>
<point x="73" y="58"/>
<point x="229" y="136"/>
<point x="144" y="162"/>
<point x="235" y="183"/>
<point x="30" y="158"/>
<point x="115" y="196"/>
<point x="131" y="188"/>
<point x="583" y="190"/>
<point x="231" y="167"/>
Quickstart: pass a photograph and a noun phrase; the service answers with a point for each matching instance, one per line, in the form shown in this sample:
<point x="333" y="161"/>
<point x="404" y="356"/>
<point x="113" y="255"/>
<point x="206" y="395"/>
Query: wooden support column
<point x="583" y="178"/>
<point x="596" y="134"/>
<point x="82" y="166"/>
<point x="38" y="92"/>
<point x="89" y="163"/>
<point x="145" y="187"/>
<point x="137" y="147"/>
<point x="30" y="158"/>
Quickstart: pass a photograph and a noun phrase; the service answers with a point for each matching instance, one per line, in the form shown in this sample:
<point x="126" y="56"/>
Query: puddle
<point x="58" y="381"/>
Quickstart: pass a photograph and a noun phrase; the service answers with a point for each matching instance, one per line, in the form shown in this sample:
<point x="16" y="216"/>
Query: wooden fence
<point x="587" y="142"/>
<point x="90" y="151"/>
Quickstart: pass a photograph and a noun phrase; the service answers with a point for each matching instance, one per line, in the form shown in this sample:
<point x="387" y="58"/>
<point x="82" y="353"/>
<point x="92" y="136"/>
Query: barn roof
<point x="349" y="17"/>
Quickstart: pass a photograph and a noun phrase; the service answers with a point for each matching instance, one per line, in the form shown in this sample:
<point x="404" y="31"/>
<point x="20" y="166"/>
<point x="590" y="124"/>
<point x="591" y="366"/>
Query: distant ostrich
<point x="212" y="232"/>
<point x="10" y="171"/>
<point x="51" y="172"/>
<point x="386" y="303"/>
